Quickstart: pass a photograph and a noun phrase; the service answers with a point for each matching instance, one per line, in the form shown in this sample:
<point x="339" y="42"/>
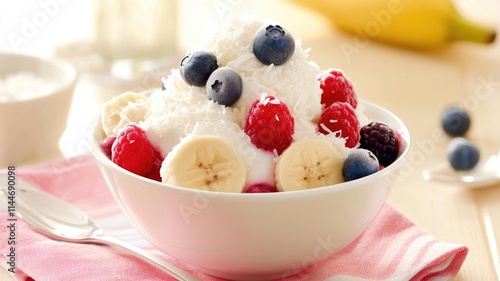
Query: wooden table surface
<point x="415" y="86"/>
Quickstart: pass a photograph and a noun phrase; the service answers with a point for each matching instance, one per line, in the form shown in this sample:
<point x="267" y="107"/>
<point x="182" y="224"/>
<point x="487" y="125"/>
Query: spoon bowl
<point x="485" y="174"/>
<point x="45" y="213"/>
<point x="64" y="222"/>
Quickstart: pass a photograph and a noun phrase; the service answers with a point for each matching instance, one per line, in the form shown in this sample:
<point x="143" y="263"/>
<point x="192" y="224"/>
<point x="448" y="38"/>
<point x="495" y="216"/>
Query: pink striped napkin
<point x="392" y="248"/>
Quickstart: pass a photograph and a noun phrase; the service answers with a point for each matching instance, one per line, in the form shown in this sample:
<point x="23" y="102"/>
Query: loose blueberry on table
<point x="462" y="154"/>
<point x="455" y="121"/>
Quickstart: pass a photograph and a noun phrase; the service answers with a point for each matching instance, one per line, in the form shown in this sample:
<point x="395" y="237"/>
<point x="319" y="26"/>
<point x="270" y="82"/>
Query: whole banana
<point x="421" y="24"/>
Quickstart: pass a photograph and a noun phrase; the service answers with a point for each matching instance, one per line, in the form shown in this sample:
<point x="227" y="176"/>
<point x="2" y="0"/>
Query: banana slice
<point x="205" y="163"/>
<point x="121" y="110"/>
<point x="308" y="163"/>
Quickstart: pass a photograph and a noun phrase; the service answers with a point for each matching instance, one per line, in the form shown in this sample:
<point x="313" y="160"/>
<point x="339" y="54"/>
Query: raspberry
<point x="400" y="139"/>
<point x="106" y="145"/>
<point x="260" y="188"/>
<point x="337" y="87"/>
<point x="133" y="151"/>
<point x="380" y="139"/>
<point x="155" y="172"/>
<point x="269" y="124"/>
<point x="340" y="119"/>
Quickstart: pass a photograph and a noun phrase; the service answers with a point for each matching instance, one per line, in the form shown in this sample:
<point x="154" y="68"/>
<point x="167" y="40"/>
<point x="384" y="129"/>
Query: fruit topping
<point x="337" y="87"/>
<point x="155" y="172"/>
<point x="196" y="67"/>
<point x="308" y="163"/>
<point x="359" y="163"/>
<point x="106" y="145"/>
<point x="133" y="151"/>
<point x="340" y="119"/>
<point x="380" y="139"/>
<point x="128" y="107"/>
<point x="273" y="45"/>
<point x="269" y="124"/>
<point x="224" y="86"/>
<point x="260" y="188"/>
<point x="455" y="121"/>
<point x="462" y="154"/>
<point x="205" y="163"/>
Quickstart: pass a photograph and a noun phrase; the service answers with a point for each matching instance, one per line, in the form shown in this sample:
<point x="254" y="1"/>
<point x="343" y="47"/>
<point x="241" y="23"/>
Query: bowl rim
<point x="67" y="83"/>
<point x="358" y="183"/>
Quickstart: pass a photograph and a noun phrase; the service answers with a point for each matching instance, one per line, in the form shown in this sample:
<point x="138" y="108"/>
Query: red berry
<point x="155" y="172"/>
<point x="133" y="151"/>
<point x="106" y="145"/>
<point x="269" y="124"/>
<point x="260" y="188"/>
<point x="400" y="139"/>
<point x="337" y="87"/>
<point x="340" y="119"/>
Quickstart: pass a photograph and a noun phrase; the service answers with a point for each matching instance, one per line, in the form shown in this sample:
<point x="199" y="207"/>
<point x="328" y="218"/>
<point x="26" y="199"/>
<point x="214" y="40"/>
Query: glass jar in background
<point x="135" y="29"/>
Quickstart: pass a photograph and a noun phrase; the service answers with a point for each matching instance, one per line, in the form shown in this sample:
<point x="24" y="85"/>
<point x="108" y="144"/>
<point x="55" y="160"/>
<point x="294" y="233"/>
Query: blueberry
<point x="359" y="163"/>
<point x="462" y="154"/>
<point x="224" y="86"/>
<point x="273" y="44"/>
<point x="455" y="121"/>
<point x="197" y="67"/>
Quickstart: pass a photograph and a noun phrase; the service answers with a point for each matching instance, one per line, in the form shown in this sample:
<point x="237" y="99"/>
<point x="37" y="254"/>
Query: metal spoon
<point x="64" y="222"/>
<point x="485" y="174"/>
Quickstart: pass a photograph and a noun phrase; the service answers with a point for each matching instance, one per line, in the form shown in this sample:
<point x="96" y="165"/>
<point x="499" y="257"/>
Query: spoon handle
<point x="149" y="258"/>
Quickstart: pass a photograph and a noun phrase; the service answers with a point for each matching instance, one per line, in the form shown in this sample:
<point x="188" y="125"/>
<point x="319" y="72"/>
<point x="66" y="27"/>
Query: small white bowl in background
<point x="35" y="99"/>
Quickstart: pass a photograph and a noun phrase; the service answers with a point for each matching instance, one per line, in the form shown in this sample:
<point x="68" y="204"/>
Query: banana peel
<point x="419" y="24"/>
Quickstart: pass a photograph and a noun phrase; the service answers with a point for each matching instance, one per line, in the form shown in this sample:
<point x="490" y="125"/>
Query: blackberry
<point x="380" y="139"/>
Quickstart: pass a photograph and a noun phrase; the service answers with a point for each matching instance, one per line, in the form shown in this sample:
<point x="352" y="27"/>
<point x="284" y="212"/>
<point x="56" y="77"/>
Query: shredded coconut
<point x="181" y="111"/>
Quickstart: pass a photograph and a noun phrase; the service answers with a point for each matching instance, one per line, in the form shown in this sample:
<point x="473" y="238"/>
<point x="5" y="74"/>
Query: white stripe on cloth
<point x="403" y="270"/>
<point x="342" y="277"/>
<point x="436" y="250"/>
<point x="395" y="246"/>
<point x="412" y="253"/>
<point x="405" y="277"/>
<point x="439" y="249"/>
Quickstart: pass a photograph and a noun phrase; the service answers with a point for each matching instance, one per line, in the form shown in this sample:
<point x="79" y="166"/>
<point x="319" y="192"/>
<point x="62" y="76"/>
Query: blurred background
<point x="50" y="23"/>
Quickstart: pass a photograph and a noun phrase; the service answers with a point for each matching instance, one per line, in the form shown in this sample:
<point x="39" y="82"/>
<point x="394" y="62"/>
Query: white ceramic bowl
<point x="252" y="236"/>
<point x="31" y="127"/>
